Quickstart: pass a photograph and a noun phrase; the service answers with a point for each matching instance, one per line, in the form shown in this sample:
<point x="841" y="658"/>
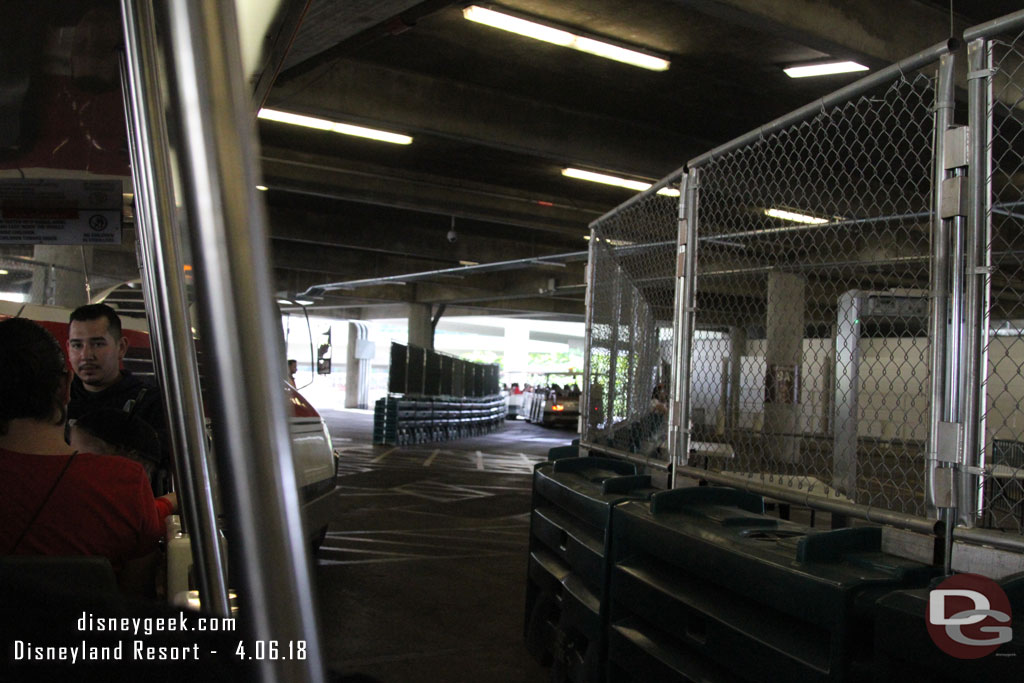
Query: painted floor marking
<point x="384" y="454"/>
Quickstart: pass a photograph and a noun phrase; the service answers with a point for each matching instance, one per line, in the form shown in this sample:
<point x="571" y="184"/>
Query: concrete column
<point x="783" y="356"/>
<point x="517" y="347"/>
<point x="63" y="285"/>
<point x="421" y="332"/>
<point x="737" y="349"/>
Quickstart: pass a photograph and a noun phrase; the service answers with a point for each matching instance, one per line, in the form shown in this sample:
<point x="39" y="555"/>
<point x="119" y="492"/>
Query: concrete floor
<point x="422" y="576"/>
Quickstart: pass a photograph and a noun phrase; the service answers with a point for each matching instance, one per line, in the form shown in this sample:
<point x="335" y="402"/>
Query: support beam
<point x="312" y="174"/>
<point x="874" y="33"/>
<point x="486" y="116"/>
<point x="410" y="234"/>
<point x="421" y="332"/>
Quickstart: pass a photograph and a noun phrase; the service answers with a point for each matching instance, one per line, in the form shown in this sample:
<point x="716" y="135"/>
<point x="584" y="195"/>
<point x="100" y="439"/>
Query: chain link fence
<point x="1002" y="415"/>
<point x="630" y="323"/>
<point x="810" y="357"/>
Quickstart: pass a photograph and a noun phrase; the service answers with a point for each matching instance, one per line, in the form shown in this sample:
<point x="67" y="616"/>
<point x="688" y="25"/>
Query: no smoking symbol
<point x="98" y="222"/>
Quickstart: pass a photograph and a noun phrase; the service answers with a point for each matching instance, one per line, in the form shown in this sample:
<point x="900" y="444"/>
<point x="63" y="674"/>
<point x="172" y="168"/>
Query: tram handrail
<point x="166" y="301"/>
<point x="227" y="225"/>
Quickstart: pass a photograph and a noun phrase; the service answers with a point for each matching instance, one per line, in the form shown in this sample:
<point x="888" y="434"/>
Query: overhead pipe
<point x="458" y="271"/>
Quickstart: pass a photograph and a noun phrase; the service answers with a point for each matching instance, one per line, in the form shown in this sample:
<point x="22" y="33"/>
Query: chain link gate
<point x="630" y="335"/>
<point x="847" y="318"/>
<point x="996" y="78"/>
<point x="810" y="364"/>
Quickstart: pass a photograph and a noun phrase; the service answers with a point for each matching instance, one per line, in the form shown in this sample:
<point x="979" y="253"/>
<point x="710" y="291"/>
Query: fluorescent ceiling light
<point x="557" y="36"/>
<point x="606" y="179"/>
<point x="333" y="126"/>
<point x="794" y="217"/>
<point x="826" y="69"/>
<point x="4" y="271"/>
<point x="261" y="188"/>
<point x="304" y="302"/>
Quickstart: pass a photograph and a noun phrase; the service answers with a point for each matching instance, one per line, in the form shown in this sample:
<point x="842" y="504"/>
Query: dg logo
<point x="969" y="616"/>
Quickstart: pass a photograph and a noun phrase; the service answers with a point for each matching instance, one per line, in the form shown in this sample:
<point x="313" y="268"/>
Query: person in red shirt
<point x="55" y="500"/>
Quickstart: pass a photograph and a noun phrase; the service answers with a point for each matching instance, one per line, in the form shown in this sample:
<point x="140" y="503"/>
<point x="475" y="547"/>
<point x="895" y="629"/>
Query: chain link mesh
<point x="810" y="356"/>
<point x="1003" y="416"/>
<point x="633" y="291"/>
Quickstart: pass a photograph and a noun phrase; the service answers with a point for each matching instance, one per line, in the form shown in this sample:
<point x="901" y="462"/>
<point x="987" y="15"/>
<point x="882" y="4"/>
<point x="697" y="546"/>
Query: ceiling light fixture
<point x="605" y="179"/>
<point x="557" y="36"/>
<point x="794" y="217"/>
<point x="4" y="271"/>
<point x="333" y="126"/>
<point x="826" y="69"/>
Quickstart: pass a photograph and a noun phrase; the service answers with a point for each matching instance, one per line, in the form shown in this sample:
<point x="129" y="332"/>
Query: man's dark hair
<point x="32" y="365"/>
<point x="130" y="436"/>
<point x="95" y="312"/>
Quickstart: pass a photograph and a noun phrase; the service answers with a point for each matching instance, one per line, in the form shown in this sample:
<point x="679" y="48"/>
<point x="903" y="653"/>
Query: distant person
<point x="115" y="432"/>
<point x="293" y="367"/>
<point x="54" y="499"/>
<point x="96" y="347"/>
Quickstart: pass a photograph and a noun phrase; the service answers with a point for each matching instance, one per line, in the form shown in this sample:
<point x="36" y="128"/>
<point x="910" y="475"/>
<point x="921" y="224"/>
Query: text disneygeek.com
<point x="136" y="649"/>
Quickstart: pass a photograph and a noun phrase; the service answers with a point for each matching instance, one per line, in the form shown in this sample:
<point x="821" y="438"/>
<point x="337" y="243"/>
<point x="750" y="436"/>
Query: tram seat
<point x="79" y="575"/>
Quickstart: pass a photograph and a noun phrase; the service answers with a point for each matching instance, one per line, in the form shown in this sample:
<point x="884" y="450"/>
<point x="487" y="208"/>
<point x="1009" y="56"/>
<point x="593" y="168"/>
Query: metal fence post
<point x="687" y="262"/>
<point x="613" y="356"/>
<point x="166" y="300"/>
<point x="979" y="260"/>
<point x="939" y="287"/>
<point x="586" y="398"/>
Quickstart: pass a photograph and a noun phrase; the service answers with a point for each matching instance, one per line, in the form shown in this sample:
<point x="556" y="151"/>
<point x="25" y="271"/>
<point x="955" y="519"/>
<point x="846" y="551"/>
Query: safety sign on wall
<point x="39" y="211"/>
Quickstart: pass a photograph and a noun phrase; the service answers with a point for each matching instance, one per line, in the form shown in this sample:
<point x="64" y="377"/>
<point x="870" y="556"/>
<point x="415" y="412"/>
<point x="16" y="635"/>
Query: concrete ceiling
<point x="495" y="117"/>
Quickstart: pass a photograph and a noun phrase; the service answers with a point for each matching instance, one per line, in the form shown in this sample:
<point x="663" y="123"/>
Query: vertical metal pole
<point x="228" y="227"/>
<point x="613" y="353"/>
<point x="938" y="325"/>
<point x="955" y="340"/>
<point x="632" y="357"/>
<point x="979" y="259"/>
<point x="166" y="300"/>
<point x="677" y="340"/>
<point x="688" y="259"/>
<point x="940" y="478"/>
<point x="674" y="427"/>
<point x="585" y="407"/>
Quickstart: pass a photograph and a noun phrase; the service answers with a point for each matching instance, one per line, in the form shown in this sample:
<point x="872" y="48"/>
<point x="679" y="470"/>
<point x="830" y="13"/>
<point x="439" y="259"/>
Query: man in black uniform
<point x="96" y="347"/>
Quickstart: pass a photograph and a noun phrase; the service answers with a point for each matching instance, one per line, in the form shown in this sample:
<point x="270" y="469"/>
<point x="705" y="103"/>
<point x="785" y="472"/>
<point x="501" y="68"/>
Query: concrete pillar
<point x="63" y="284"/>
<point x="783" y="355"/>
<point x="421" y="332"/>
<point x="357" y="367"/>
<point x="517" y="347"/>
<point x="737" y="349"/>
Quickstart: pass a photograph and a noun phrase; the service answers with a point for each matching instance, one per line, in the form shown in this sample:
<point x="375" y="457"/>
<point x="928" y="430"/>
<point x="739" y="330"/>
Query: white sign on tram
<point x="39" y="211"/>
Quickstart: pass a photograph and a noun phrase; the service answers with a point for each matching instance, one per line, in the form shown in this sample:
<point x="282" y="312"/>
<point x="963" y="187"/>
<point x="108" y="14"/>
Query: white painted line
<point x="479" y="460"/>
<point x="426" y="463"/>
<point x="384" y="454"/>
<point x="525" y="459"/>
